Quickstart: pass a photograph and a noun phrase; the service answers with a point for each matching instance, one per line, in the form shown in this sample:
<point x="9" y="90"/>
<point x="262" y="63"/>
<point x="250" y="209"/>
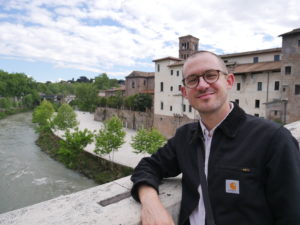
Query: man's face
<point x="207" y="98"/>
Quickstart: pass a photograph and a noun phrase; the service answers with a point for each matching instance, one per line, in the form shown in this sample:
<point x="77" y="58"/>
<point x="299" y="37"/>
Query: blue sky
<point x="52" y="40"/>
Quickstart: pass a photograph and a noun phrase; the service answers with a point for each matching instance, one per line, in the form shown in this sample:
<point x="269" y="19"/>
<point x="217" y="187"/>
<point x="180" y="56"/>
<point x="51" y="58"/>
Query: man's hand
<point x="153" y="212"/>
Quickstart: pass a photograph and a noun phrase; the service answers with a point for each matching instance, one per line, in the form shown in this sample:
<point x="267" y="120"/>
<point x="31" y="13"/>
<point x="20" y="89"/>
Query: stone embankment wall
<point x="131" y="119"/>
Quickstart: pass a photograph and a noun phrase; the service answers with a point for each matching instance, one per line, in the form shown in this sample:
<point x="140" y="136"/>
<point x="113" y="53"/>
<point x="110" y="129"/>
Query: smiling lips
<point x="205" y="94"/>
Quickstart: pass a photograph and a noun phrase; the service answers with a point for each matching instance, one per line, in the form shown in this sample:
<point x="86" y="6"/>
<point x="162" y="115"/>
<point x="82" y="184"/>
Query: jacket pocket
<point x="236" y="182"/>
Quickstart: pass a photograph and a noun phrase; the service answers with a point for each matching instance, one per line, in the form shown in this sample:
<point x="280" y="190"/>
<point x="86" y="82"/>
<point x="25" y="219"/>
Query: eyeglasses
<point x="210" y="76"/>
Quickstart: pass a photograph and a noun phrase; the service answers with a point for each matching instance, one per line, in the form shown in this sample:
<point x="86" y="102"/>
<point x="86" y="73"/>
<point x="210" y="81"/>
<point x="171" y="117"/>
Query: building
<point x="267" y="83"/>
<point x="187" y="46"/>
<point x="257" y="79"/>
<point x="139" y="82"/>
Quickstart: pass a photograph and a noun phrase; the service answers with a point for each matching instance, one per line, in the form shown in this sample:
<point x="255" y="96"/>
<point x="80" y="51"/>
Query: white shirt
<point x="198" y="215"/>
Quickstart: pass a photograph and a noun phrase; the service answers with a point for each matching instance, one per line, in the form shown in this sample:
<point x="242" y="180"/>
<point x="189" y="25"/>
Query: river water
<point x="28" y="175"/>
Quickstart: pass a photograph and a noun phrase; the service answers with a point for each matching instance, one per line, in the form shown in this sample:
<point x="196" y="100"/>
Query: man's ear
<point x="230" y="80"/>
<point x="183" y="91"/>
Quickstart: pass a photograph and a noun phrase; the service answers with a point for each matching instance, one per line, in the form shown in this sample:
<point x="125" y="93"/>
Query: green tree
<point x="129" y="102"/>
<point x="110" y="137"/>
<point x="115" y="101"/>
<point x="102" y="82"/>
<point x="147" y="141"/>
<point x="6" y="103"/>
<point x="142" y="102"/>
<point x="86" y="96"/>
<point x="42" y="115"/>
<point x="73" y="145"/>
<point x="101" y="101"/>
<point x="65" y="117"/>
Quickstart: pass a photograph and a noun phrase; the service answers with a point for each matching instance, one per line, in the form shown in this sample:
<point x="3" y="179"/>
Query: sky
<point x="53" y="40"/>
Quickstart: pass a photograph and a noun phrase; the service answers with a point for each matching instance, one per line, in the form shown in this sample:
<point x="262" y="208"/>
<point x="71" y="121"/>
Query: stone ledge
<point x="83" y="207"/>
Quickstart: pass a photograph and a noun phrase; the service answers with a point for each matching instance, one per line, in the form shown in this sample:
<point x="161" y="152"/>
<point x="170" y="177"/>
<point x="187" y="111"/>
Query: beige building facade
<point x="267" y="83"/>
<point x="139" y="82"/>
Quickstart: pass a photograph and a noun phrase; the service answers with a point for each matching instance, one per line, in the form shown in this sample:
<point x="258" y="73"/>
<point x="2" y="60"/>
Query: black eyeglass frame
<point x="203" y="75"/>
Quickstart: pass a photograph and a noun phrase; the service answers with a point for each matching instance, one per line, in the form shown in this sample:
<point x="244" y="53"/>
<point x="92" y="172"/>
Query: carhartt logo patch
<point x="232" y="186"/>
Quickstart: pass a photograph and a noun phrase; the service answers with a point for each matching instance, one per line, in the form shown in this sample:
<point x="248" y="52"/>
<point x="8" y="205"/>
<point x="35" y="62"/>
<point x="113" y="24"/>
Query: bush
<point x="73" y="145"/>
<point x="42" y="115"/>
<point x="111" y="137"/>
<point x="147" y="141"/>
<point x="65" y="118"/>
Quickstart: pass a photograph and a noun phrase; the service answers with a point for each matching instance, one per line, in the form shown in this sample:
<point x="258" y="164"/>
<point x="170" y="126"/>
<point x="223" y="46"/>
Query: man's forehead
<point x="203" y="61"/>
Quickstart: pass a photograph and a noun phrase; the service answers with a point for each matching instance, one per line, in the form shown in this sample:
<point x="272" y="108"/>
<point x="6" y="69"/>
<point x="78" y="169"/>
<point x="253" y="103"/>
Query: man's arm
<point x="153" y="212"/>
<point x="146" y="179"/>
<point x="283" y="178"/>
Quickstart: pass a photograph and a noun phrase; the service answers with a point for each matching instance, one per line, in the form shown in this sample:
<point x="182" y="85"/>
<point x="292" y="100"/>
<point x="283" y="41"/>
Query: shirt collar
<point x="210" y="133"/>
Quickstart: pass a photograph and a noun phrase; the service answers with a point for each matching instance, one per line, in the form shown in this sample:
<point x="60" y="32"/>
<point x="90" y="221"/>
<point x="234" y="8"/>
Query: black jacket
<point x="260" y="155"/>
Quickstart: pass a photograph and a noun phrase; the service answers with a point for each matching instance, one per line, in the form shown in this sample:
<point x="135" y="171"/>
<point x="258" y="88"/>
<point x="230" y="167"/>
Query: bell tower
<point x="187" y="46"/>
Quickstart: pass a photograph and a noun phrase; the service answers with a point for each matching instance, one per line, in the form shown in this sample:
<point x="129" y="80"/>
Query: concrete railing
<point x="109" y="204"/>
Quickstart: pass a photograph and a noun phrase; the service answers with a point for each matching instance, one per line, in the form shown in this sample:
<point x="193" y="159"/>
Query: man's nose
<point x="202" y="83"/>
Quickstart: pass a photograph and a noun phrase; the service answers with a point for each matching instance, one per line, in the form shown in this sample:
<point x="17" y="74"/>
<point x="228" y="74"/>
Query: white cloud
<point x="59" y="31"/>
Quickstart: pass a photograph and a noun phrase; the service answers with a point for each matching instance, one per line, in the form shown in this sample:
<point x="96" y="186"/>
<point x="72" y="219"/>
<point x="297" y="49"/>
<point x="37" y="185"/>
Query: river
<point x="28" y="175"/>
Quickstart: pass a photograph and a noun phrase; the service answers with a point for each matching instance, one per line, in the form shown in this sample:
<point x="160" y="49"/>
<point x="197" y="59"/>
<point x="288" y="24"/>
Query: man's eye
<point x="210" y="76"/>
<point x="192" y="79"/>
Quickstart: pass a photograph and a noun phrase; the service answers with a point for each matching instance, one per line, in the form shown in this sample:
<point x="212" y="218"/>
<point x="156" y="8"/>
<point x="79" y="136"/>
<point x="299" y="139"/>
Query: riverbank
<point x="98" y="169"/>
<point x="9" y="112"/>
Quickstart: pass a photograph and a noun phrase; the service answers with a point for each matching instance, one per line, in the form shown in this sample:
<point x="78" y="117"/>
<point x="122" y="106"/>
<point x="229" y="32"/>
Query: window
<point x="171" y="108"/>
<point x="275" y="112"/>
<point x="238" y="86"/>
<point x="297" y="89"/>
<point x="171" y="72"/>
<point x="183" y="107"/>
<point x="288" y="70"/>
<point x="257" y="103"/>
<point x="298" y="42"/>
<point x="158" y="67"/>
<point x="256" y="114"/>
<point x="190" y="108"/>
<point x="133" y="84"/>
<point x="144" y="82"/>
<point x="276" y="85"/>
<point x="177" y="73"/>
<point x="259" y="86"/>
<point x="161" y="86"/>
<point x="171" y="88"/>
<point x="255" y="59"/>
<point x="179" y="87"/>
<point x="276" y="57"/>
<point x="161" y="105"/>
<point x="237" y="101"/>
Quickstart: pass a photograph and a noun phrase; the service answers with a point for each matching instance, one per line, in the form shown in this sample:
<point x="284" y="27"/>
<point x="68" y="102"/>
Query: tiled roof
<point x="140" y="74"/>
<point x="176" y="64"/>
<point x="188" y="36"/>
<point x="257" y="67"/>
<point x="121" y="88"/>
<point x="251" y="52"/>
<point x="295" y="31"/>
<point x="165" y="58"/>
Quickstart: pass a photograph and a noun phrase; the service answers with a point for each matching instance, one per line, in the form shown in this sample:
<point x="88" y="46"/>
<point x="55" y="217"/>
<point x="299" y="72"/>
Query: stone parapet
<point x="105" y="204"/>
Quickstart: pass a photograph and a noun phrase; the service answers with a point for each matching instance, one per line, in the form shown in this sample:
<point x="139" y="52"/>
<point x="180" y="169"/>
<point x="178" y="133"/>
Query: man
<point x="252" y="165"/>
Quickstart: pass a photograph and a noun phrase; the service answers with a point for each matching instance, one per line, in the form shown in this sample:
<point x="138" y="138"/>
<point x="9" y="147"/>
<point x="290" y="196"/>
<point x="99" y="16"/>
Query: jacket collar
<point x="233" y="121"/>
<point x="229" y="126"/>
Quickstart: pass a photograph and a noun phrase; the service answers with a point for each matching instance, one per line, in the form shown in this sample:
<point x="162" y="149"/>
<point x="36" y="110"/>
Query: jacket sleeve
<point x="283" y="178"/>
<point x="151" y="170"/>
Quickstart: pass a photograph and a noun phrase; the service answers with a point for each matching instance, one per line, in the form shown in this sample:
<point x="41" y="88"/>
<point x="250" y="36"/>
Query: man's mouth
<point x="206" y="94"/>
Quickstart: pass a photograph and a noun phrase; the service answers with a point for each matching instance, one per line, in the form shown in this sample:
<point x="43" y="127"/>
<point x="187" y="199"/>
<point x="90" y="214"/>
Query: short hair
<point x="221" y="62"/>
